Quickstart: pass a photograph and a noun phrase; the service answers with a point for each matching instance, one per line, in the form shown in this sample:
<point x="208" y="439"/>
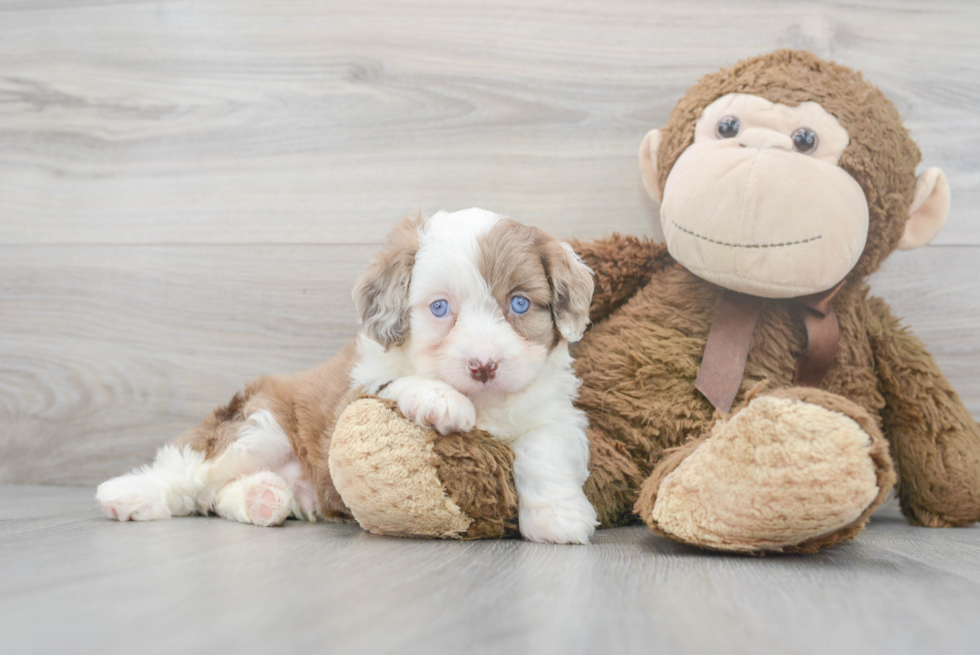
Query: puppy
<point x="466" y="321"/>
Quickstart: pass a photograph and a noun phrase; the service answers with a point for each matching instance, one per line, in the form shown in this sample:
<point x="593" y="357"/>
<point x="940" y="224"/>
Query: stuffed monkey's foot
<point x="400" y="479"/>
<point x="795" y="470"/>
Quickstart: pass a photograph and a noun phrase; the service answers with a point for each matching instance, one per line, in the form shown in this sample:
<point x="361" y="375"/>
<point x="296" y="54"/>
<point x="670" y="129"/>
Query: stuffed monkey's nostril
<point x="763" y="138"/>
<point x="482" y="371"/>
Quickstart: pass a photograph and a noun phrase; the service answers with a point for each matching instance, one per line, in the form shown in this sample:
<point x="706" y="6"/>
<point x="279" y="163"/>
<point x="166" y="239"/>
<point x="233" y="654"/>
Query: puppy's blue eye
<point x="519" y="304"/>
<point x="439" y="308"/>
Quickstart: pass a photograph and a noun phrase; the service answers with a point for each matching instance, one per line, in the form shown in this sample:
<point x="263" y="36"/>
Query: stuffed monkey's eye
<point x="439" y="308"/>
<point x="804" y="140"/>
<point x="728" y="127"/>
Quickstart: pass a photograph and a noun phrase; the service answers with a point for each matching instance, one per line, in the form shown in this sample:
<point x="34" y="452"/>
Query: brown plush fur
<point x="392" y="487"/>
<point x="639" y="364"/>
<point x="885" y="472"/>
<point x="881" y="156"/>
<point x="651" y="319"/>
<point x="621" y="266"/>
<point x="475" y="470"/>
<point x="934" y="440"/>
<point x="638" y="368"/>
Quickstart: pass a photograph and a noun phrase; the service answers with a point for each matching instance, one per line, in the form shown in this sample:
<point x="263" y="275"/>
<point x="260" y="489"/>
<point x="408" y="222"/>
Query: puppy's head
<point x="477" y="300"/>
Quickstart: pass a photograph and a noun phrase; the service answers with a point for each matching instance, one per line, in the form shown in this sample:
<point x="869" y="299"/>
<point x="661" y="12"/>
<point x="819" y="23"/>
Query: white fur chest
<point x="546" y="402"/>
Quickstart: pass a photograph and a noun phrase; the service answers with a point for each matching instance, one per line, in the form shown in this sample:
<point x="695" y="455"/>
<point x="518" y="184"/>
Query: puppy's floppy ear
<point x="571" y="287"/>
<point x="381" y="293"/>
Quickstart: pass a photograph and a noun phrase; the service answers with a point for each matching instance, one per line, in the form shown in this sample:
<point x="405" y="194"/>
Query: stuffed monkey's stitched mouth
<point x="745" y="245"/>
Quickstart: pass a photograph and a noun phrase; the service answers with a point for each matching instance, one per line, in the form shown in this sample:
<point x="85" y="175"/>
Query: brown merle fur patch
<point x="512" y="262"/>
<point x="381" y="293"/>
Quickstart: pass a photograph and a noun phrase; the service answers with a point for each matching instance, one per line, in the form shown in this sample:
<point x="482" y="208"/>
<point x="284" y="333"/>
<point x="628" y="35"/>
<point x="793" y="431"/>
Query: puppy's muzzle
<point x="482" y="371"/>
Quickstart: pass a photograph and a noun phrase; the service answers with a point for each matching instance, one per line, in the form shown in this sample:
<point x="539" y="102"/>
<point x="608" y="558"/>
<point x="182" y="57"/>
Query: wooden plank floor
<point x="75" y="582"/>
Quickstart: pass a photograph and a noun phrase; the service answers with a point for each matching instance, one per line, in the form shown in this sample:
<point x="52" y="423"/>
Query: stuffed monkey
<point x="745" y="392"/>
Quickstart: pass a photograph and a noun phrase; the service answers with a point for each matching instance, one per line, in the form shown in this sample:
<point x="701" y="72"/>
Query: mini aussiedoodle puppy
<point x="466" y="319"/>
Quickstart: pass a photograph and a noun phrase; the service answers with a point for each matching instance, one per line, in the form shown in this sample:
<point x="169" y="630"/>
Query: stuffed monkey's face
<point x="758" y="203"/>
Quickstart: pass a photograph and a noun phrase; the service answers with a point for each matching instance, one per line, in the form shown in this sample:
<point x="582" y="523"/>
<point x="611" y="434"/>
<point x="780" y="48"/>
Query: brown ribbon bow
<point x="730" y="336"/>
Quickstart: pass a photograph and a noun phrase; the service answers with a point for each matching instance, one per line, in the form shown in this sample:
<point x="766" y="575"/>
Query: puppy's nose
<point x="482" y="371"/>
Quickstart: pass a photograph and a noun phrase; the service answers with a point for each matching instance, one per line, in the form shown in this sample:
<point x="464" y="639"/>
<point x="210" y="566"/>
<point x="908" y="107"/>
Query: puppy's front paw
<point x="133" y="498"/>
<point x="441" y="408"/>
<point x="570" y="521"/>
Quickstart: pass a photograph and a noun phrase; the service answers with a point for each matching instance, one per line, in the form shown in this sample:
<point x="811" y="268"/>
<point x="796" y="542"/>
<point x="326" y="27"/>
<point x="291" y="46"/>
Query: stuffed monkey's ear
<point x="648" y="164"/>
<point x="571" y="289"/>
<point x="381" y="293"/>
<point x="929" y="209"/>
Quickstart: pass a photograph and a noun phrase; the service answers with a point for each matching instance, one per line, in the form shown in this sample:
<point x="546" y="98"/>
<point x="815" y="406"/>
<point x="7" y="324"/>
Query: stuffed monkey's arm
<point x="935" y="442"/>
<point x="622" y="265"/>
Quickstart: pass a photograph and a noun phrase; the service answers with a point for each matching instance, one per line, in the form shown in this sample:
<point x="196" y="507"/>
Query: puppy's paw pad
<point x="132" y="498"/>
<point x="268" y="501"/>
<point x="566" y="522"/>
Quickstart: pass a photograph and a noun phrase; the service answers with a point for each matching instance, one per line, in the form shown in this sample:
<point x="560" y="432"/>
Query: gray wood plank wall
<point x="188" y="189"/>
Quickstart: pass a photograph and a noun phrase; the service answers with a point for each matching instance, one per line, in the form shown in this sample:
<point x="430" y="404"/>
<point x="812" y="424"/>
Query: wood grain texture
<point x="238" y="121"/>
<point x="76" y="582"/>
<point x="189" y="189"/>
<point x="109" y="351"/>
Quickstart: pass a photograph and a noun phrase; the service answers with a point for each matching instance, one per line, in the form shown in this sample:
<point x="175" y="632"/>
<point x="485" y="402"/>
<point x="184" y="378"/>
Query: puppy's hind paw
<point x="260" y="498"/>
<point x="269" y="501"/>
<point x="133" y="498"/>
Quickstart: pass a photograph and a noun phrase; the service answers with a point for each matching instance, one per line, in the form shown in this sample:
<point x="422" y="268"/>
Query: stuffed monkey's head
<point x="784" y="174"/>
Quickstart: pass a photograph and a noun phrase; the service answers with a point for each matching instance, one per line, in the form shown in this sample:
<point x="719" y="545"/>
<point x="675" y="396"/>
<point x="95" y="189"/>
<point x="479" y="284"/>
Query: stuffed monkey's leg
<point x="795" y="470"/>
<point x="400" y="479"/>
<point x="614" y="480"/>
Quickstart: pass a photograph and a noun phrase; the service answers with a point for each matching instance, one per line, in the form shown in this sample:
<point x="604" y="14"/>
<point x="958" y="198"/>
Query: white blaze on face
<point x="474" y="331"/>
<point x="750" y="212"/>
